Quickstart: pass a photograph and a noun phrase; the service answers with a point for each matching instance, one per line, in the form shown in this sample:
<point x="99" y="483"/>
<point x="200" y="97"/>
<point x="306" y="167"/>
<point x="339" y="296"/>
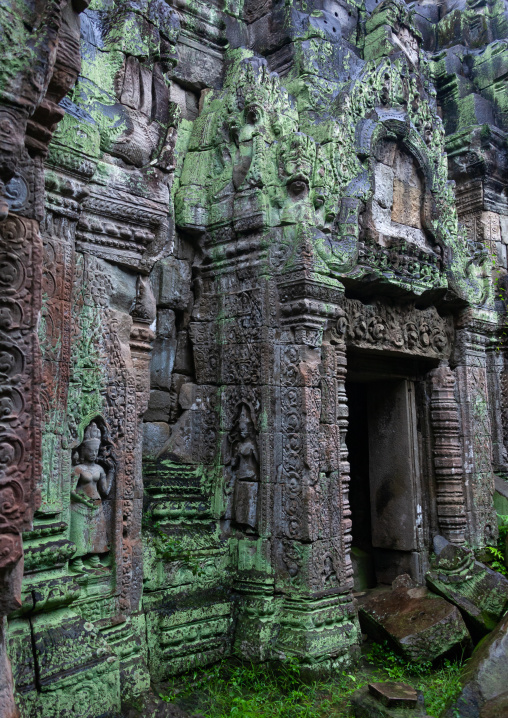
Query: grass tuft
<point x="249" y="690"/>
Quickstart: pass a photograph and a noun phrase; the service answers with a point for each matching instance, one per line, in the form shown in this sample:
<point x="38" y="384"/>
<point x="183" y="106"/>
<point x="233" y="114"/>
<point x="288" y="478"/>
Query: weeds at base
<point x="248" y="690"/>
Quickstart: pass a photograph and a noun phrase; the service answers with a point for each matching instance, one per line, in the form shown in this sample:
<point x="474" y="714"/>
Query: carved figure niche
<point x="243" y="460"/>
<point x="396" y="212"/>
<point x="92" y="480"/>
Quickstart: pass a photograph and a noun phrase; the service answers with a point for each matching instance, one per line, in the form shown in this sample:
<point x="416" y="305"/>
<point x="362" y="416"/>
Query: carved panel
<point x="448" y="464"/>
<point x="381" y="325"/>
<point x="20" y="375"/>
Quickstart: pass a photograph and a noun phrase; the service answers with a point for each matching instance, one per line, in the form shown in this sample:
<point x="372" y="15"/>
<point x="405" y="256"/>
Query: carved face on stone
<point x="90" y="452"/>
<point x="243" y="428"/>
<point x="297" y="158"/>
<point x="89" y="449"/>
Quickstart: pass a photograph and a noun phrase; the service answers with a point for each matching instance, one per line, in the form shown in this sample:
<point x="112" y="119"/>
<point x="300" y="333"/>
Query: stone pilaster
<point x="475" y="430"/>
<point x="311" y="525"/>
<point x="448" y="459"/>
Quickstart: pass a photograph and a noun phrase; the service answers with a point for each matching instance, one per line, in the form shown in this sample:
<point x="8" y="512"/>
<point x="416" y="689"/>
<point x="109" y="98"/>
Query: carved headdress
<point x="92" y="436"/>
<point x="244" y="419"/>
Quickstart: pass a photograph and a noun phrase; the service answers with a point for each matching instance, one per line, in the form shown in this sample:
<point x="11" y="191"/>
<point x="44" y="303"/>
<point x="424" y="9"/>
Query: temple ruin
<point x="252" y="327"/>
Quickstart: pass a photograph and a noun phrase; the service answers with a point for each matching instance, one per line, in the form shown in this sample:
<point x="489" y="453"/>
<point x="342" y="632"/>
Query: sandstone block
<point x="485" y="678"/>
<point x="172" y="283"/>
<point x="158" y="406"/>
<point x="479" y="592"/>
<point x="388" y="700"/>
<point x="162" y="363"/>
<point x="155" y="436"/>
<point x="416" y="623"/>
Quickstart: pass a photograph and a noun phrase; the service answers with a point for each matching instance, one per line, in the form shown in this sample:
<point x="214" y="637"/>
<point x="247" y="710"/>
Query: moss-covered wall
<point x="237" y="199"/>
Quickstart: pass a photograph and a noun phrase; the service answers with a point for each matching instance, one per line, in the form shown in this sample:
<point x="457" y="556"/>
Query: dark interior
<point x="385" y="485"/>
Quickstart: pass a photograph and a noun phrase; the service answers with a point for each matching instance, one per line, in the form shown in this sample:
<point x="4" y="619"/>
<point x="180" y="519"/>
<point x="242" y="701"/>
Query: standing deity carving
<point x="244" y="461"/>
<point x="92" y="483"/>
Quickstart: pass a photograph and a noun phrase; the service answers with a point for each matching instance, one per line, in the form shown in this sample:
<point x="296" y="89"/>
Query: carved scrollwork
<point x="404" y="328"/>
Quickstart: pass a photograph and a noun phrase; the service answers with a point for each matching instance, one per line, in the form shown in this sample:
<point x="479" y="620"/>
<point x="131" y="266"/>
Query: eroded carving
<point x="93" y="483"/>
<point x="244" y="461"/>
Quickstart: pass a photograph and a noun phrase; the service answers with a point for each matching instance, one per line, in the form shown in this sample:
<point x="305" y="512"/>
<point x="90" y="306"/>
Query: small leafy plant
<point x="498" y="552"/>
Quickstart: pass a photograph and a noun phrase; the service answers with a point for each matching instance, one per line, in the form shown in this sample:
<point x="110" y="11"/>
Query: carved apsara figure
<point x="92" y="483"/>
<point x="244" y="462"/>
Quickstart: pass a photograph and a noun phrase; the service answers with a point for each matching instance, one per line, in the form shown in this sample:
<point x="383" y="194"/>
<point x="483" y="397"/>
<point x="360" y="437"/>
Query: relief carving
<point x="243" y="460"/>
<point x="297" y="183"/>
<point x="93" y="483"/>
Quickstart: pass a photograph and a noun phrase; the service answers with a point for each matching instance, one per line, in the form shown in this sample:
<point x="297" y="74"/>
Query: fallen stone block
<point x="485" y="679"/>
<point x="495" y="708"/>
<point x="416" y="623"/>
<point x="388" y="700"/>
<point x="480" y="593"/>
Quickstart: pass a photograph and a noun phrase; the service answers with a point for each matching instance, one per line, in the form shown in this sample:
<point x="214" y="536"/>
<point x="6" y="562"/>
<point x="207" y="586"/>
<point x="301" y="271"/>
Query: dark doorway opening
<point x="385" y="491"/>
<point x="359" y="487"/>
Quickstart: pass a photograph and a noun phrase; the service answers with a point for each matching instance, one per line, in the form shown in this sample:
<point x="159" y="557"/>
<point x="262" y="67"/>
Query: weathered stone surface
<point x="237" y="237"/>
<point x="7" y="705"/>
<point x="496" y="707"/>
<point x="418" y="624"/>
<point x="158" y="406"/>
<point x="172" y="283"/>
<point x="484" y="677"/>
<point x="151" y="705"/>
<point x="479" y="592"/>
<point x="388" y="700"/>
<point x="394" y="695"/>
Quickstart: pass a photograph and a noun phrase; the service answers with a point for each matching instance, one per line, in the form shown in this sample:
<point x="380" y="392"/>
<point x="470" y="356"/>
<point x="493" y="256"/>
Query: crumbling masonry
<point x="252" y="345"/>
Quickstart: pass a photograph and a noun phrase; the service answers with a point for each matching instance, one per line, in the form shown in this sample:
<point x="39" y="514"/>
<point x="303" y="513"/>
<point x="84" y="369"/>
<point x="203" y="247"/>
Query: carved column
<point x="448" y="464"/>
<point x="20" y="367"/>
<point x="312" y="522"/>
<point x="497" y="385"/>
<point x="476" y="436"/>
<point x="342" y="423"/>
<point x="40" y="64"/>
<point x="140" y="341"/>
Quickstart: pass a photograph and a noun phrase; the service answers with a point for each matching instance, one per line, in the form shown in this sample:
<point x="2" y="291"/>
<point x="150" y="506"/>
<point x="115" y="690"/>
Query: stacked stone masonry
<point x="253" y="268"/>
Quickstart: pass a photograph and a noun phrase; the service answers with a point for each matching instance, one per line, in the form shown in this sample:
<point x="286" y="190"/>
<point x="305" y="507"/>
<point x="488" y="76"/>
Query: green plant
<point x="231" y="690"/>
<point x="395" y="666"/>
<point x="440" y="686"/>
<point x="498" y="552"/>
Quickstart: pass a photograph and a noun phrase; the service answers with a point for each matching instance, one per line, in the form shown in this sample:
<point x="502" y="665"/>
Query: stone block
<point x="163" y="360"/>
<point x="313" y="629"/>
<point x="503" y="221"/>
<point x="165" y="323"/>
<point x="158" y="406"/>
<point x="73" y="655"/>
<point x="172" y="283"/>
<point x="417" y="624"/>
<point x="155" y="436"/>
<point x="388" y="700"/>
<point x="183" y="354"/>
<point x="496" y="707"/>
<point x="484" y="678"/>
<point x="480" y="593"/>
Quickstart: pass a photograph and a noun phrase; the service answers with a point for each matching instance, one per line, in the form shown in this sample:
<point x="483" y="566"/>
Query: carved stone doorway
<point x="386" y="487"/>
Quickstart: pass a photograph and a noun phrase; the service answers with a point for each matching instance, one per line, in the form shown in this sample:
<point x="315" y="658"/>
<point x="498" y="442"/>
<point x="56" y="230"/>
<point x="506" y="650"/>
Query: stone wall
<point x="243" y="207"/>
